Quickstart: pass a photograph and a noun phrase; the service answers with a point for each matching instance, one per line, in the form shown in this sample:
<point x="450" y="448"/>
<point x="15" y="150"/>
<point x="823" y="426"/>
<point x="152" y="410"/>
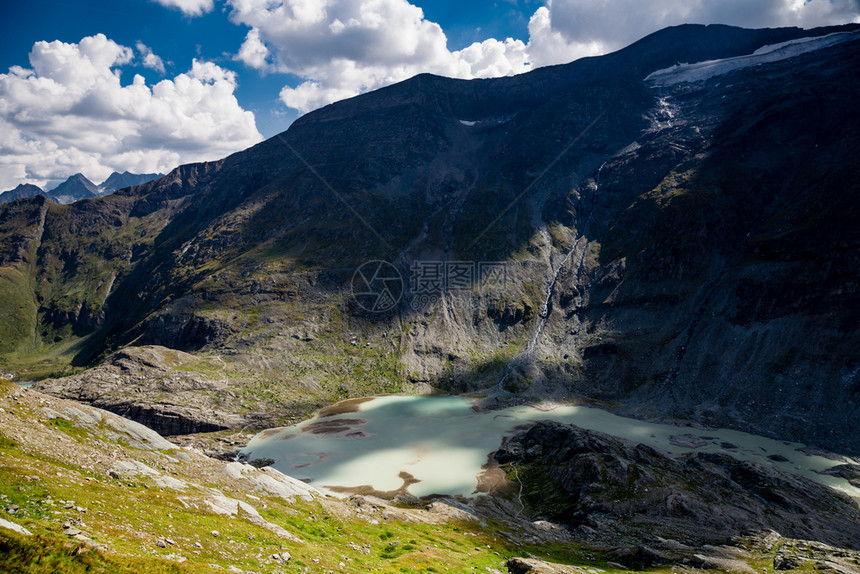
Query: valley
<point x="617" y="329"/>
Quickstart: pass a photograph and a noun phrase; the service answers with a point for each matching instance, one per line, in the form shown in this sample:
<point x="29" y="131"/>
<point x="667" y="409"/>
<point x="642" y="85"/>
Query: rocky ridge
<point x="602" y="487"/>
<point x="157" y="387"/>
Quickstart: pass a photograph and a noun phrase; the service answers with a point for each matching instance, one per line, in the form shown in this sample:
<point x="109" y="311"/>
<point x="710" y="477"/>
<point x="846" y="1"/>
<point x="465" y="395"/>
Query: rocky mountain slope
<point x="596" y="484"/>
<point x="678" y="251"/>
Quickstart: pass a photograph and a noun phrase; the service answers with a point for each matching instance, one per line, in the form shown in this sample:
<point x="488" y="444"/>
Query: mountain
<point x="23" y="190"/>
<point x="118" y="181"/>
<point x="681" y="251"/>
<point x="79" y="187"/>
<point x="75" y="188"/>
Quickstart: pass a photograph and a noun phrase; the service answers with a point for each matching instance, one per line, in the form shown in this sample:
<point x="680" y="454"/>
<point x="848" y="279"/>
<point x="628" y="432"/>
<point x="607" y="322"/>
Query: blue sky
<point x="145" y="85"/>
<point x="177" y="38"/>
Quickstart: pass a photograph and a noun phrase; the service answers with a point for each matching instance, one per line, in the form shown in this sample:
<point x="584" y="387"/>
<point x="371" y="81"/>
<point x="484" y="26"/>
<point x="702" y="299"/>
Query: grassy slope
<point x="55" y="472"/>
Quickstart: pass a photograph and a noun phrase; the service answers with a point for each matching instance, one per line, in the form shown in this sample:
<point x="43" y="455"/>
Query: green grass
<point x="46" y="360"/>
<point x="18" y="311"/>
<point x="70" y="429"/>
<point x="125" y="522"/>
<point x="41" y="554"/>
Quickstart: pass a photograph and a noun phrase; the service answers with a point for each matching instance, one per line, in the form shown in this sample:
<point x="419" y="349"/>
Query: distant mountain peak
<point x="78" y="186"/>
<point x="75" y="188"/>
<point x="118" y="181"/>
<point x="20" y="192"/>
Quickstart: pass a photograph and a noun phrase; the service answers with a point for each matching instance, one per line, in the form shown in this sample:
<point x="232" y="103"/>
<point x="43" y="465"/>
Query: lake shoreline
<point x="419" y="435"/>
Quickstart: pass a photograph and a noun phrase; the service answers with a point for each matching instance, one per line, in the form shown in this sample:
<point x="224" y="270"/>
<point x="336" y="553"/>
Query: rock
<point x="227" y="506"/>
<point x="534" y="566"/>
<point x="807" y="554"/>
<point x="170" y="482"/>
<point x="582" y="478"/>
<point x="215" y="534"/>
<point x="161" y="543"/>
<point x="111" y="426"/>
<point x="782" y="561"/>
<point x="130" y="469"/>
<point x="270" y="482"/>
<point x="406" y="499"/>
<point x="15" y="527"/>
<point x="133" y="382"/>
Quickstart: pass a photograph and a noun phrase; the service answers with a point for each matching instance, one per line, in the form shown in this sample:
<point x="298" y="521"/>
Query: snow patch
<point x="700" y="71"/>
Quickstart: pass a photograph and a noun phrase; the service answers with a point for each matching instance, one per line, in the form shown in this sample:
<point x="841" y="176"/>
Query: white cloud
<point x="150" y="60"/>
<point x="548" y="45"/>
<point x="254" y="52"/>
<point x="71" y="113"/>
<point x="567" y="29"/>
<point x="492" y="58"/>
<point x="344" y="47"/>
<point x="189" y="7"/>
<point x="340" y="48"/>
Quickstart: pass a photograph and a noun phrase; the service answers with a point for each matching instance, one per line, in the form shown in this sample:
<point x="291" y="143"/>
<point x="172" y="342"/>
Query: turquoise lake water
<point x="442" y="442"/>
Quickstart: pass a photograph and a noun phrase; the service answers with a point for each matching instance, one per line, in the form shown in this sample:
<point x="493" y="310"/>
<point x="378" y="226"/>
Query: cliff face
<point x="599" y="486"/>
<point x="685" y="250"/>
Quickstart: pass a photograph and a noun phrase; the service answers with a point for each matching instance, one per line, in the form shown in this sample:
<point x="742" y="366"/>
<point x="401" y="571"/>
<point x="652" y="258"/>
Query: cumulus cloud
<point x="69" y="112"/>
<point x="567" y="29"/>
<point x="189" y="7"/>
<point x="254" y="52"/>
<point x="340" y="48"/>
<point x="344" y="47"/>
<point x="150" y="60"/>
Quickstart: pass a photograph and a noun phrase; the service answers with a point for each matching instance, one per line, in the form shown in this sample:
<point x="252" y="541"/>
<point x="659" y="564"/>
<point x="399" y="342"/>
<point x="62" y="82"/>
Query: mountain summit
<point x="79" y="187"/>
<point x="75" y="188"/>
<point x="117" y="181"/>
<point x="681" y="250"/>
<point x="20" y="192"/>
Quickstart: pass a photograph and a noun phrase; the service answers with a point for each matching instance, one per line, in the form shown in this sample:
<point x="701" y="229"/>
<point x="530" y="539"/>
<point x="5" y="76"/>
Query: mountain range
<point x="79" y="187"/>
<point x="668" y="232"/>
<point x="673" y="250"/>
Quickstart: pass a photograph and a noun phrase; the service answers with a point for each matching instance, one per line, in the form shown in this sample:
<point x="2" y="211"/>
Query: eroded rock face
<point x="142" y="384"/>
<point x="601" y="486"/>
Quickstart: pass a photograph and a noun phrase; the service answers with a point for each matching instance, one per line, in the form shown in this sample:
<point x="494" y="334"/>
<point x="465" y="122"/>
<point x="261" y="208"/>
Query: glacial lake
<point x="428" y="445"/>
